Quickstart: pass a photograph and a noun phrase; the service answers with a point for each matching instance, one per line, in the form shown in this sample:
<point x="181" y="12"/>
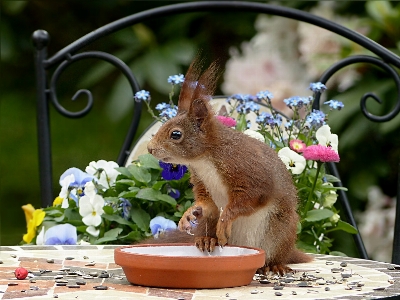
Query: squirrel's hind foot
<point x="278" y="269"/>
<point x="205" y="243"/>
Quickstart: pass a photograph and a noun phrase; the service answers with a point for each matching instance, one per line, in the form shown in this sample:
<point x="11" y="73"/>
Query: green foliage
<point x="144" y="193"/>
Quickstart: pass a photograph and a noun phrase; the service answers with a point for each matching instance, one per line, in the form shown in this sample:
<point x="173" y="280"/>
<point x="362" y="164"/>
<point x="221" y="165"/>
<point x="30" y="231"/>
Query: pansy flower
<point x="326" y="138"/>
<point x="172" y="171"/>
<point x="63" y="234"/>
<point x="160" y="224"/>
<point x="104" y="171"/>
<point x="293" y="161"/>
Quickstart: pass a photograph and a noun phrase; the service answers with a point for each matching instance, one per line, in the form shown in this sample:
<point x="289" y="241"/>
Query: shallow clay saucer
<point x="185" y="266"/>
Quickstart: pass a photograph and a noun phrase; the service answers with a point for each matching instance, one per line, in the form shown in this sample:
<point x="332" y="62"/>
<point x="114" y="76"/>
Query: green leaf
<point x="341" y="225"/>
<point x="337" y="253"/>
<point x="158" y="185"/>
<point x="141" y="218"/>
<point x="72" y="214"/>
<point x="118" y="219"/>
<point x="148" y="194"/>
<point x="306" y="247"/>
<point x="108" y="210"/>
<point x="167" y="198"/>
<point x="132" y="236"/>
<point x="130" y="194"/>
<point x="81" y="228"/>
<point x="140" y="174"/>
<point x="113" y="232"/>
<point x="124" y="171"/>
<point x="128" y="182"/>
<point x="318" y="215"/>
<point x="149" y="161"/>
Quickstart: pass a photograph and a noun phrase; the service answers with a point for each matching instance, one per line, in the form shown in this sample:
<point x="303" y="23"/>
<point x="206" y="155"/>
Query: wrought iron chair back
<point x="46" y="86"/>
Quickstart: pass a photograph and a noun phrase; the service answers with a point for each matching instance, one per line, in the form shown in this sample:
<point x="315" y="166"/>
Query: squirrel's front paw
<point x="189" y="218"/>
<point x="223" y="231"/>
<point x="205" y="243"/>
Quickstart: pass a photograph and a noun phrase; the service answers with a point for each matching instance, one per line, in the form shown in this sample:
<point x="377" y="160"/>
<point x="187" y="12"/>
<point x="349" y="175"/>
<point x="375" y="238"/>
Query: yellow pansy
<point x="58" y="201"/>
<point x="34" y="217"/>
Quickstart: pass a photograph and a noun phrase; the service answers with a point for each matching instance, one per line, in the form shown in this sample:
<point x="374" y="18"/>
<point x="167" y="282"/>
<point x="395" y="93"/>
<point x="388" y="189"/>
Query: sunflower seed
<point x="100" y="287"/>
<point x="278" y="294"/>
<point x="50" y="261"/>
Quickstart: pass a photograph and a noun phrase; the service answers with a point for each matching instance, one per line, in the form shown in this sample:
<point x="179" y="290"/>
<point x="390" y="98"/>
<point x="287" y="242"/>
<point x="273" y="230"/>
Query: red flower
<point x="227" y="121"/>
<point x="21" y="273"/>
<point x="321" y="153"/>
<point x="297" y="145"/>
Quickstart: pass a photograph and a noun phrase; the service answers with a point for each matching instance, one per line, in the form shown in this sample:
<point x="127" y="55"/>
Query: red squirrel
<point x="244" y="195"/>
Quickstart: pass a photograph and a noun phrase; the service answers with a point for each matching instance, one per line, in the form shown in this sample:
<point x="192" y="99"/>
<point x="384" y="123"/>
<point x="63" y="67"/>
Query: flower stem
<point x="309" y="202"/>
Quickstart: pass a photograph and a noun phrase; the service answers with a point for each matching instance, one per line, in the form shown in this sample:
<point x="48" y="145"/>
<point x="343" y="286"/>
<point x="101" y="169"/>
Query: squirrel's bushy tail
<point x="298" y="257"/>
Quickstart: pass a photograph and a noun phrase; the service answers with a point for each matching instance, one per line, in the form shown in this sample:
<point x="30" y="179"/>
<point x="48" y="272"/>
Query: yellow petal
<point x="28" y="210"/>
<point x="58" y="201"/>
<point x="38" y="216"/>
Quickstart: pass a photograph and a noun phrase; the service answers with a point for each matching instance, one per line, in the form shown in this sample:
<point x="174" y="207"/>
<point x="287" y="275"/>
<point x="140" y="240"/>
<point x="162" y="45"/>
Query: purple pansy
<point x="63" y="234"/>
<point x="172" y="171"/>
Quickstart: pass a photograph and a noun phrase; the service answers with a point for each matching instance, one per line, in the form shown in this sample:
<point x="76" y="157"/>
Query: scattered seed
<point x="278" y="294"/>
<point x="294" y="293"/>
<point x="90" y="264"/>
<point x="288" y="280"/>
<point x="34" y="288"/>
<point x="1" y="262"/>
<point x="343" y="264"/>
<point x="74" y="286"/>
<point x="61" y="281"/>
<point x="58" y="276"/>
<point x="50" y="261"/>
<point x="88" y="277"/>
<point x="13" y="255"/>
<point x="327" y="288"/>
<point x="346" y="275"/>
<point x="391" y="267"/>
<point x="61" y="284"/>
<point x="337" y="270"/>
<point x="379" y="289"/>
<point x="94" y="274"/>
<point x="32" y="281"/>
<point x="69" y="258"/>
<point x="104" y="275"/>
<point x="254" y="292"/>
<point x="302" y="284"/>
<point x="65" y="269"/>
<point x="264" y="281"/>
<point x="80" y="282"/>
<point x="278" y="287"/>
<point x="55" y="296"/>
<point x="12" y="284"/>
<point x="328" y="263"/>
<point x="86" y="257"/>
<point x="100" y="287"/>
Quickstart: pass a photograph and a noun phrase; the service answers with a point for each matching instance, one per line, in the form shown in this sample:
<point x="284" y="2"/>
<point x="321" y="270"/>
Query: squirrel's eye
<point x="176" y="135"/>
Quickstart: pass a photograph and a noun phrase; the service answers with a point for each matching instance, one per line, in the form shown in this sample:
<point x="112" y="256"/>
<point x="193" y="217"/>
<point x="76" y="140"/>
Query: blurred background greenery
<point x="154" y="50"/>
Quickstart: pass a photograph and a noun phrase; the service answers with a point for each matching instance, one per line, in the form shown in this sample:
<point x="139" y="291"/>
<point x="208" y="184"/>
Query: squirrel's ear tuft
<point x="189" y="85"/>
<point x="196" y="86"/>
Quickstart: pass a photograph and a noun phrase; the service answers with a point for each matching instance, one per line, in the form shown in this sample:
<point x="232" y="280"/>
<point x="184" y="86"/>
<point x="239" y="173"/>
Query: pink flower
<point x="227" y="121"/>
<point x="297" y="145"/>
<point x="321" y="153"/>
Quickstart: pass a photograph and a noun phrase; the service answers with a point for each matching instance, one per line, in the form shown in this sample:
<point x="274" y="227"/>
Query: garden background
<point x="162" y="47"/>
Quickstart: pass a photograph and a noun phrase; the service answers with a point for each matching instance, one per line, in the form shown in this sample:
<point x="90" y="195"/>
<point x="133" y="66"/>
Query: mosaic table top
<point x="89" y="272"/>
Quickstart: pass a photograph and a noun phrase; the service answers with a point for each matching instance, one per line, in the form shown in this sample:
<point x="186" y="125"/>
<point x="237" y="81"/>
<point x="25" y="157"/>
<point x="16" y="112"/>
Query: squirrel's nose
<point x="149" y="148"/>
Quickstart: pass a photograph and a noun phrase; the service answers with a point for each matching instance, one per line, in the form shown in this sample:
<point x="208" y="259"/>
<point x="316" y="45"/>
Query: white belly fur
<point x="247" y="230"/>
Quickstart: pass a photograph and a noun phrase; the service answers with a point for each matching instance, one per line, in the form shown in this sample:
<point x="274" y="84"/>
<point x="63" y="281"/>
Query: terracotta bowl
<point x="184" y="266"/>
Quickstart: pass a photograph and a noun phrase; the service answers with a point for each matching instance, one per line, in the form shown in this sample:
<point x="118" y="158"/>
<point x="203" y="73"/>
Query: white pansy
<point x="326" y="138"/>
<point x="292" y="160"/>
<point x="40" y="237"/>
<point x="93" y="231"/>
<point x="255" y="134"/>
<point x="104" y="171"/>
<point x="91" y="207"/>
<point x="65" y="183"/>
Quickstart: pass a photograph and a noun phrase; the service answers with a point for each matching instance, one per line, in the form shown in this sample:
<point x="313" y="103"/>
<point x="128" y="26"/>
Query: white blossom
<point x="65" y="183"/>
<point x="105" y="172"/>
<point x="292" y="160"/>
<point x="91" y="206"/>
<point x="326" y="138"/>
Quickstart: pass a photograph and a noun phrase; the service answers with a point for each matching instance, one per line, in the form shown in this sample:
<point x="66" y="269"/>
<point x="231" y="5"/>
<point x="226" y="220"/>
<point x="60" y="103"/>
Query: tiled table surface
<point x="324" y="278"/>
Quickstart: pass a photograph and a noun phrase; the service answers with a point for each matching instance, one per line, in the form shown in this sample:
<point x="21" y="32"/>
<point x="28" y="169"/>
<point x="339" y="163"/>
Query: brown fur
<point x="244" y="194"/>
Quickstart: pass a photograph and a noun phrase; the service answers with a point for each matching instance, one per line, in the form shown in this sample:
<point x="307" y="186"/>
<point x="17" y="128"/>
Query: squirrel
<point x="244" y="195"/>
